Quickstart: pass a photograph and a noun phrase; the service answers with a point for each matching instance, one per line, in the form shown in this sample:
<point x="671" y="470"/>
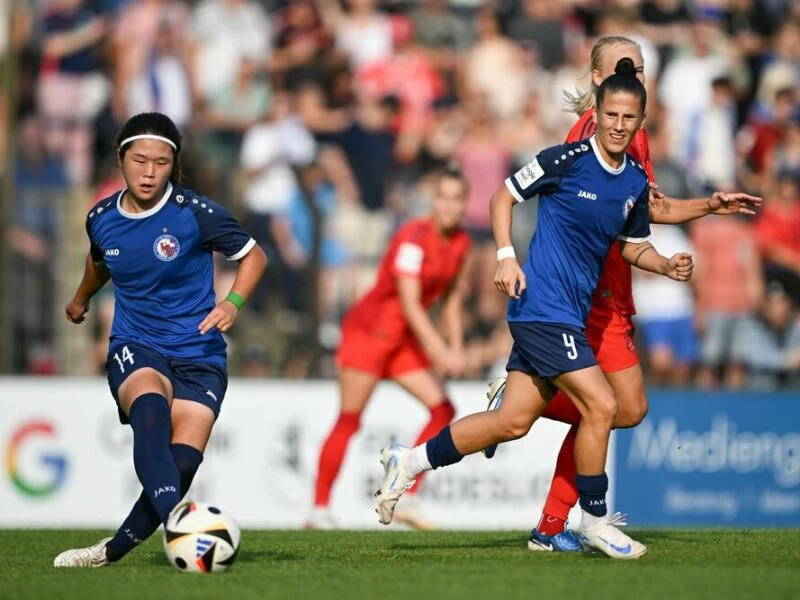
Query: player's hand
<point x="721" y="203"/>
<point x="76" y="311"/>
<point x="509" y="278"/>
<point x="656" y="196"/>
<point x="454" y="362"/>
<point x="222" y="317"/>
<point x="680" y="267"/>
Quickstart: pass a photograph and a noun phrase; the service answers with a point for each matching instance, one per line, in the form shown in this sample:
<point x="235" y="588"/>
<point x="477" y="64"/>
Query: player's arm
<point x="452" y="312"/>
<point x="251" y="267"/>
<point x="536" y="177"/>
<point x="409" y="289"/>
<point x="644" y="256"/>
<point x="95" y="276"/>
<point x="664" y="209"/>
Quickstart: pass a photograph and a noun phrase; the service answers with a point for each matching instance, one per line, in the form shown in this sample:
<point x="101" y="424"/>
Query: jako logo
<point x="587" y="195"/>
<point x="721" y="448"/>
<point x="112" y="252"/>
<point x="164" y="490"/>
<point x="55" y="463"/>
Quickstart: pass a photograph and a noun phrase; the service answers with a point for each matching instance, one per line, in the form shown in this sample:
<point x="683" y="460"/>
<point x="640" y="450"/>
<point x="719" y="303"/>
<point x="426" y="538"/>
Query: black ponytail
<point x="623" y="80"/>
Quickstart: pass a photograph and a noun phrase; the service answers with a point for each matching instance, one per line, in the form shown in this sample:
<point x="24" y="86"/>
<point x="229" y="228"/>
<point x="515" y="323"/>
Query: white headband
<point x="148" y="136"/>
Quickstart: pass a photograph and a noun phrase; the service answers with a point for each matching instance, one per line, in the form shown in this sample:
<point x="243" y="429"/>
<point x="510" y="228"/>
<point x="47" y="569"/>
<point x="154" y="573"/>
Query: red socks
<point x="561" y="408"/>
<point x="332" y="455"/>
<point x="563" y="494"/>
<point x="441" y="415"/>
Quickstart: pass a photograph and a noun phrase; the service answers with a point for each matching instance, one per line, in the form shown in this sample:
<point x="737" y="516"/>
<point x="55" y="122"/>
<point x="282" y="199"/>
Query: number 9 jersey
<point x="160" y="262"/>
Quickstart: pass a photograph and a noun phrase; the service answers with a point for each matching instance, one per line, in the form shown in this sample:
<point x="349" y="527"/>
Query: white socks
<point x="416" y="461"/>
<point x="588" y="520"/>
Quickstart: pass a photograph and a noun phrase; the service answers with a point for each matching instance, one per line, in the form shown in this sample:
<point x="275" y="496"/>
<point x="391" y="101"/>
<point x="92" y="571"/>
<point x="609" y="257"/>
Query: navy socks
<point x="441" y="450"/>
<point x="143" y="519"/>
<point x="592" y="490"/>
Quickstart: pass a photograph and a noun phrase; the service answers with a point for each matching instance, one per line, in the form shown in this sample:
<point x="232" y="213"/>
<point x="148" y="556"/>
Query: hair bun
<point x="625" y="67"/>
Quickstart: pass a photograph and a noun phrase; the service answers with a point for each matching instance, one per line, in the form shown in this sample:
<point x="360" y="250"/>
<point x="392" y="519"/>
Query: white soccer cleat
<point x="395" y="481"/>
<point x="609" y="540"/>
<point x="495" y="398"/>
<point x="410" y="514"/>
<point x="321" y="519"/>
<point x="87" y="558"/>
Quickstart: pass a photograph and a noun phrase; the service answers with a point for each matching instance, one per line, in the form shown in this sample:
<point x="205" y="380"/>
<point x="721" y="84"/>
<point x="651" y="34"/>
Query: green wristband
<point x="236" y="300"/>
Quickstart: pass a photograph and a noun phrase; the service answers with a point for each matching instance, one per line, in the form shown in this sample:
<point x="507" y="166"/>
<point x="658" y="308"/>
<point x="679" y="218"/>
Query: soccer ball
<point x="201" y="538"/>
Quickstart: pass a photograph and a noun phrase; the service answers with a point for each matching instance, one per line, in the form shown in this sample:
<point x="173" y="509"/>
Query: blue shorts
<point x="205" y="383"/>
<point x="548" y="349"/>
<point x="676" y="334"/>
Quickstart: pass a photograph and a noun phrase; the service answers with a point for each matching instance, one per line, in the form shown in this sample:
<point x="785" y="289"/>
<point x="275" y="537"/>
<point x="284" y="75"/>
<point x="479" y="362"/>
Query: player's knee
<point x="601" y="410"/>
<point x="514" y="427"/>
<point x="631" y="414"/>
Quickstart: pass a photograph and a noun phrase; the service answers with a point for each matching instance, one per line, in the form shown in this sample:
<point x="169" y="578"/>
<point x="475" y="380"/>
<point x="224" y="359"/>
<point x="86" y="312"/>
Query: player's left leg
<point x="523" y="403"/>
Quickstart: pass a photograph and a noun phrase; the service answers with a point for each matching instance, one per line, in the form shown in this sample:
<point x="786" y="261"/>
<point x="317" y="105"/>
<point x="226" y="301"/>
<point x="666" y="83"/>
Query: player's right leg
<point x="355" y="388"/>
<point x="594" y="397"/>
<point x="144" y="397"/>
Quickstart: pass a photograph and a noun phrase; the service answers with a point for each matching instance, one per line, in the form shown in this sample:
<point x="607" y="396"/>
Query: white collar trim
<point x="148" y="212"/>
<point x="603" y="163"/>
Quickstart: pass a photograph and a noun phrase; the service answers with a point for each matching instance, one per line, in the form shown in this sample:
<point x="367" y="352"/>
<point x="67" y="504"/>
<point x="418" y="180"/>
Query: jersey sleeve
<point x="94" y="249"/>
<point x="640" y="150"/>
<point x="540" y="175"/>
<point x="637" y="227"/>
<point x="219" y="231"/>
<point x="408" y="259"/>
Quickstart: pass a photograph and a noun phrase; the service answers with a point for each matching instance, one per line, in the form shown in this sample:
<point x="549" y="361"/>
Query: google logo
<point x="56" y="464"/>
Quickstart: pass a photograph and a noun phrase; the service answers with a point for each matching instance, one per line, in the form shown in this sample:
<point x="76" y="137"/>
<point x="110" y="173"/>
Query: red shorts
<point x="611" y="337"/>
<point x="386" y="359"/>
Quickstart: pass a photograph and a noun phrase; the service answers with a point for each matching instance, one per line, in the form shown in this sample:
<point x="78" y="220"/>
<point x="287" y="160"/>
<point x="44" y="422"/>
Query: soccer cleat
<point x="563" y="541"/>
<point x="605" y="537"/>
<point x="410" y="514"/>
<point x="395" y="481"/>
<point x="495" y="398"/>
<point x="321" y="519"/>
<point x="91" y="557"/>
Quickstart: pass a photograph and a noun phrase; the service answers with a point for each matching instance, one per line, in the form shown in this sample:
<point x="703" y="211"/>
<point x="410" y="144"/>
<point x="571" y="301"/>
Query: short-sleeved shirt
<point x="416" y="250"/>
<point x="615" y="290"/>
<point x="585" y="205"/>
<point x="161" y="264"/>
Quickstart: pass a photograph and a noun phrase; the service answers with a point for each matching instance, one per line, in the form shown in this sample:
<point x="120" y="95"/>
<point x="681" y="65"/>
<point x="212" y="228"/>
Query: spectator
<point x="768" y="344"/>
<point x="161" y="82"/>
<point x="224" y="32"/>
<point x="441" y="33"/>
<point x="363" y="33"/>
<point x="778" y="231"/>
<point x="541" y="23"/>
<point x="665" y="311"/>
<point x="72" y="89"/>
<point x="494" y="68"/>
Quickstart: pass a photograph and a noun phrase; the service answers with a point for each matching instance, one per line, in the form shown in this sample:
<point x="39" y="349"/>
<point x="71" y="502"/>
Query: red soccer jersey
<point x="614" y="290"/>
<point x="417" y="249"/>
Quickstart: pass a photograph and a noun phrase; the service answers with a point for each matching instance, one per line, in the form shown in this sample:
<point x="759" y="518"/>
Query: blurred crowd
<point x="318" y="123"/>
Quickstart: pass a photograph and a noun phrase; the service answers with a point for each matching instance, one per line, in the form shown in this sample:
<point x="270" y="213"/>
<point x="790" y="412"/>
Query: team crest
<point x="628" y="206"/>
<point x="166" y="247"/>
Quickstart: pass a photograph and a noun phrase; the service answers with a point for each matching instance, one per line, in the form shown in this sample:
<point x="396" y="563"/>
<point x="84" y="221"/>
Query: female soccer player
<point x="389" y="335"/>
<point x="590" y="194"/>
<point x="609" y="328"/>
<point x="167" y="358"/>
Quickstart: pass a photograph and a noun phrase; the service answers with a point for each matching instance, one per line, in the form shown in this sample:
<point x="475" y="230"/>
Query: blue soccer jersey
<point x="585" y="205"/>
<point x="161" y="265"/>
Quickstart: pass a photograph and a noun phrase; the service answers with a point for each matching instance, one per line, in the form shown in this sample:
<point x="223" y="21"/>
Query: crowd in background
<point x="319" y="122"/>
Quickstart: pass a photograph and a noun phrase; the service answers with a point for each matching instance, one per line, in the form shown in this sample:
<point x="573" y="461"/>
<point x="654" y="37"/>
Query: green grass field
<point x="720" y="564"/>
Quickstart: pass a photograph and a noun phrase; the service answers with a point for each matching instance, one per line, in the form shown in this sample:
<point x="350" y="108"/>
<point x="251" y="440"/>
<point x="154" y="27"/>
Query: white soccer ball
<point x="201" y="538"/>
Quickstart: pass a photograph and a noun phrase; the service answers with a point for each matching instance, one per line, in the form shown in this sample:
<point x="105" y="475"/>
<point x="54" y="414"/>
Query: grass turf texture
<point x="719" y="564"/>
